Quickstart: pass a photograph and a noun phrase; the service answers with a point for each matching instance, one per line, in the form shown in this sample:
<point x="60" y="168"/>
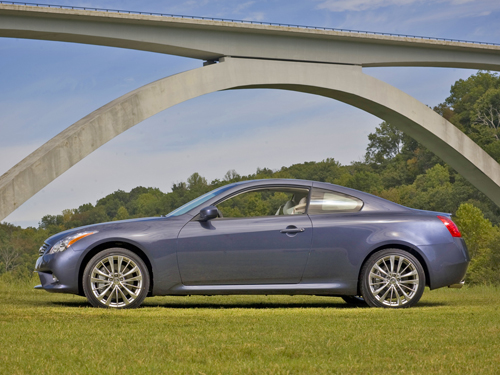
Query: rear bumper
<point x="447" y="263"/>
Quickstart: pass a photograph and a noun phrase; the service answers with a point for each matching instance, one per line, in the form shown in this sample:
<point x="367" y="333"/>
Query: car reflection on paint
<point x="262" y="237"/>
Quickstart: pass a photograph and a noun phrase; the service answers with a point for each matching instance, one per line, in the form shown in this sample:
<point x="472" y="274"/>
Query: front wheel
<point x="392" y="278"/>
<point x="116" y="278"/>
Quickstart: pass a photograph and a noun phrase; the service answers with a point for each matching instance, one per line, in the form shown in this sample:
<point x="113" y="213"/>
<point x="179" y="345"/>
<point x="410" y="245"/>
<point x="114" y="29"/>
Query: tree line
<point x="395" y="167"/>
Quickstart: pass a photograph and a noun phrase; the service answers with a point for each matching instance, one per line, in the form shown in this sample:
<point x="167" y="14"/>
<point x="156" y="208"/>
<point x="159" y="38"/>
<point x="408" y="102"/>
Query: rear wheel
<point x="392" y="278"/>
<point x="116" y="278"/>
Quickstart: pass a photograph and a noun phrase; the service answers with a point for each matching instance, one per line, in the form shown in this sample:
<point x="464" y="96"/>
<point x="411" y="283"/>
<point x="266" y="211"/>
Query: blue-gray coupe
<point x="273" y="236"/>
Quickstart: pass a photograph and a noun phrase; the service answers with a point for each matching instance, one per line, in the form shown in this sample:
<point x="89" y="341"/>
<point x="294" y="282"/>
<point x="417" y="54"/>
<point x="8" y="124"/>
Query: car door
<point x="270" y="249"/>
<point x="340" y="235"/>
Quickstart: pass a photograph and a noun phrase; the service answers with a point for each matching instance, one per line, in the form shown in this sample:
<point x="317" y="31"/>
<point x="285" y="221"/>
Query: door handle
<point x="292" y="230"/>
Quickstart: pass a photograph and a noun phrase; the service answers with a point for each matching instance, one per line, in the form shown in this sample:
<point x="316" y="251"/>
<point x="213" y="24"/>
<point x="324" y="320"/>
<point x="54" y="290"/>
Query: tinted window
<point x="199" y="201"/>
<point x="327" y="201"/>
<point x="265" y="202"/>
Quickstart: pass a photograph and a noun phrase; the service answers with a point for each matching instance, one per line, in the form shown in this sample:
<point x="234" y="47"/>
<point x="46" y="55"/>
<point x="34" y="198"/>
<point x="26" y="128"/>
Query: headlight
<point x="66" y="242"/>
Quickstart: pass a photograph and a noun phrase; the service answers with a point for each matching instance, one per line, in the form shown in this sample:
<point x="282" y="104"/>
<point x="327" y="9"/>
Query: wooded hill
<point x="395" y="167"/>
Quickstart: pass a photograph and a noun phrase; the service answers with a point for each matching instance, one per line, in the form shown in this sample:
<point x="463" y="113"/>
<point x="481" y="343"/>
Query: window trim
<point x="256" y="188"/>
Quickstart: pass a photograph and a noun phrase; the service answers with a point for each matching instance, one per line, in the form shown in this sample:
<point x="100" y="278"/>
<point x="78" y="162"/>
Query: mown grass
<point x="448" y="332"/>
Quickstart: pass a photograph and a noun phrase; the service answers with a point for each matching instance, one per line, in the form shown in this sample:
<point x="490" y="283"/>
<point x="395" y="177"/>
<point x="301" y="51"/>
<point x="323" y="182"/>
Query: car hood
<point x="97" y="227"/>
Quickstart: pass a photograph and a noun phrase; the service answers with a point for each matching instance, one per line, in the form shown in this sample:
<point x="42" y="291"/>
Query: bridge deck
<point x="211" y="39"/>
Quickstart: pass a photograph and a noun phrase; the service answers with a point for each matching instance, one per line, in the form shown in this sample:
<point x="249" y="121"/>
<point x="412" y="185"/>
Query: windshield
<point x="199" y="201"/>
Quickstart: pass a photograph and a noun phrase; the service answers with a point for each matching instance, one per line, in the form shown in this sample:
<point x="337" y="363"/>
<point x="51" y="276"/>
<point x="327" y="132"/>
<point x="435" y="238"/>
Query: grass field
<point x="448" y="332"/>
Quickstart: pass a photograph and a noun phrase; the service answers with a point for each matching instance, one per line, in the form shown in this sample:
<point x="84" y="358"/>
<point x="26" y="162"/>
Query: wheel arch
<point x="406" y="248"/>
<point x="108" y="245"/>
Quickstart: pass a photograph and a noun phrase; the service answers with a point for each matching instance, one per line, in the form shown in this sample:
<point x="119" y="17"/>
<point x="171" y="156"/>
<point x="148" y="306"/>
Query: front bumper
<point x="58" y="273"/>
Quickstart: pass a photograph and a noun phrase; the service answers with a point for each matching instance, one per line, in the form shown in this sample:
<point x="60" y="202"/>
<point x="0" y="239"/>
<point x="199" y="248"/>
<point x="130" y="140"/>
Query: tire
<point x="116" y="278"/>
<point x="356" y="301"/>
<point x="392" y="278"/>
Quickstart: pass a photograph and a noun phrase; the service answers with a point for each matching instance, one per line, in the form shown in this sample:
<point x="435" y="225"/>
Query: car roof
<point x="371" y="202"/>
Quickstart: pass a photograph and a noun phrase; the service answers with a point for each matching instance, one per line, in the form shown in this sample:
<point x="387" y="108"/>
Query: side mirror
<point x="208" y="213"/>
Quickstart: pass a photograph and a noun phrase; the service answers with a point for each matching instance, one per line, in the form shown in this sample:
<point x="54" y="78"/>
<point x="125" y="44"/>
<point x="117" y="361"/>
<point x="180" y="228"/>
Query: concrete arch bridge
<point x="241" y="55"/>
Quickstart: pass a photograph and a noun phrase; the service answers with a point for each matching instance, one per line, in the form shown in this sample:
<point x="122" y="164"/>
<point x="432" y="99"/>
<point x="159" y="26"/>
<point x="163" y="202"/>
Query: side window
<point x="265" y="202"/>
<point x="327" y="202"/>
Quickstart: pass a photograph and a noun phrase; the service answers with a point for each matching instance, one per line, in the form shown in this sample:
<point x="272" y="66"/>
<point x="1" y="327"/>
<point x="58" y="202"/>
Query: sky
<point x="47" y="86"/>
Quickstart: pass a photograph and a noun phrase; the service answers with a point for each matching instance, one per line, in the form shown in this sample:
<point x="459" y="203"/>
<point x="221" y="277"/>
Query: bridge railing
<point x="244" y="21"/>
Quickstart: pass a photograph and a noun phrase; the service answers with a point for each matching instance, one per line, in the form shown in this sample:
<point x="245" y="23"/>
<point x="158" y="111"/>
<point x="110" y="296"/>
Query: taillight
<point x="451" y="226"/>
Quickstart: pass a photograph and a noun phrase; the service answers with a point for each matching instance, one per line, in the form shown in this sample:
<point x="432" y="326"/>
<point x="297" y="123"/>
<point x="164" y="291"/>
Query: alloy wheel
<point x="116" y="281"/>
<point x="394" y="280"/>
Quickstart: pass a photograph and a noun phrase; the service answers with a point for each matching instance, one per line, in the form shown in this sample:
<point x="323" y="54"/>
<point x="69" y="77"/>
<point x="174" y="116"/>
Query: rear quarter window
<point x="330" y="202"/>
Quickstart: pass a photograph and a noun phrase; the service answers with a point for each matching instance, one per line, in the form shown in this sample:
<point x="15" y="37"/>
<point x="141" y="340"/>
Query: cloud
<point x="243" y="6"/>
<point x="459" y="2"/>
<point x="255" y="16"/>
<point x="460" y="10"/>
<point x="454" y="19"/>
<point x="466" y="6"/>
<point x="361" y="5"/>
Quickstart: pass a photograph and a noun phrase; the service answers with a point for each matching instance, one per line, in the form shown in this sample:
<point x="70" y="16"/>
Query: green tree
<point x="385" y="144"/>
<point x="9" y="257"/>
<point x="231" y="176"/>
<point x="487" y="112"/>
<point x="149" y="204"/>
<point x="122" y="214"/>
<point x="475" y="103"/>
<point x="196" y="182"/>
<point x="482" y="240"/>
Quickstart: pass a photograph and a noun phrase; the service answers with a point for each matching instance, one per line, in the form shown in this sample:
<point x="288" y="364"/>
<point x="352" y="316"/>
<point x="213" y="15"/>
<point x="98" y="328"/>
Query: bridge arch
<point x="341" y="82"/>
